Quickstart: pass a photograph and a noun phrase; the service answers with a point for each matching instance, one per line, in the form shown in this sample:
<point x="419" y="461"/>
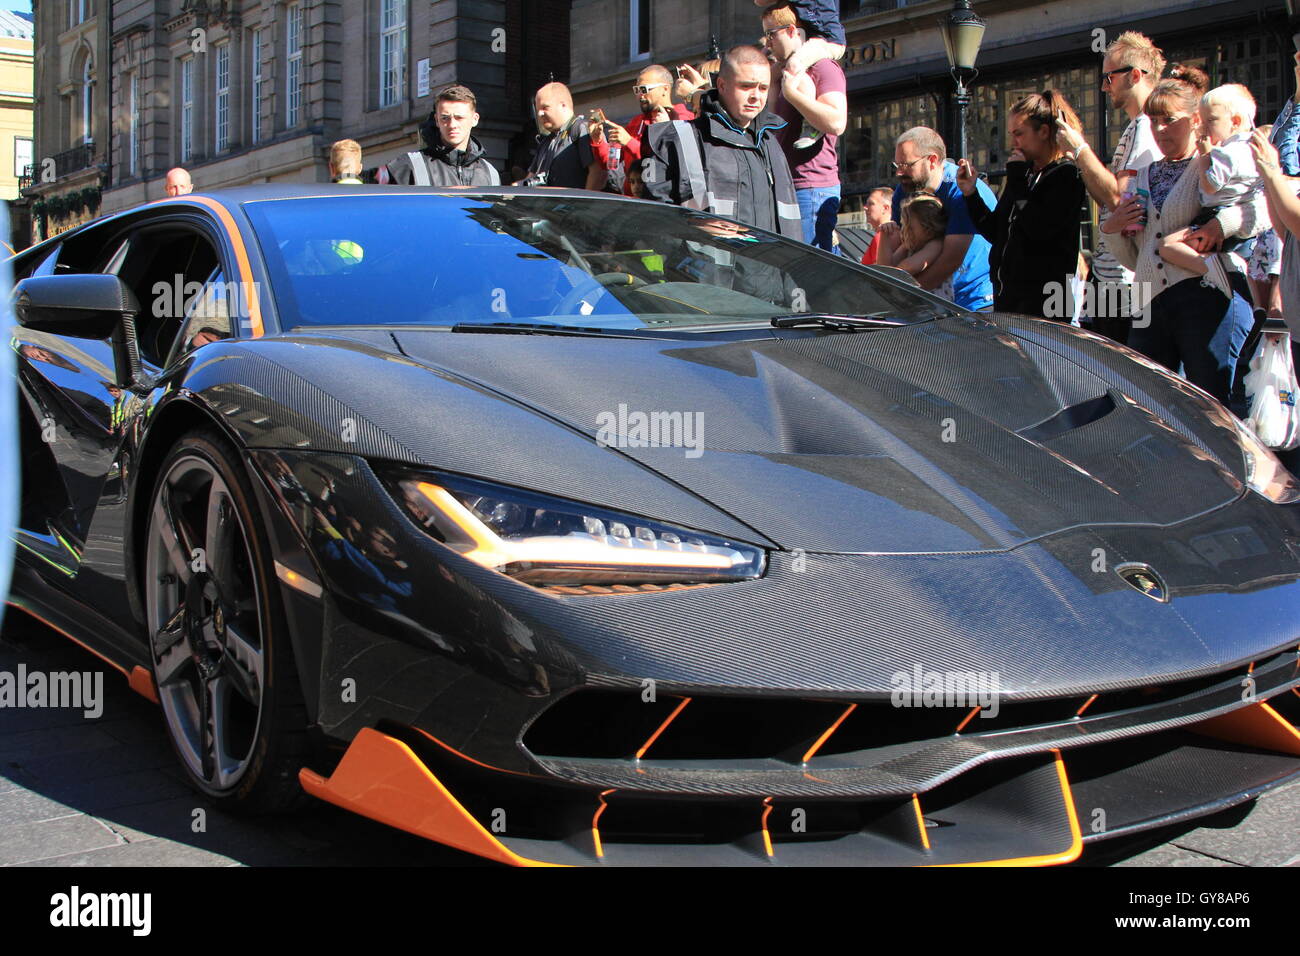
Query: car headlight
<point x="1264" y="473"/>
<point x="543" y="540"/>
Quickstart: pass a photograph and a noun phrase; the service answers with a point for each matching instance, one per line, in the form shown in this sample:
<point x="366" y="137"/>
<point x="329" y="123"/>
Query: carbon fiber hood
<point x="957" y="435"/>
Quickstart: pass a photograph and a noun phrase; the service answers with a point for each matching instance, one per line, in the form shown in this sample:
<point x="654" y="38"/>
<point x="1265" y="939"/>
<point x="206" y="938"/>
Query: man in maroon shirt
<point x="815" y="108"/>
<point x="654" y="91"/>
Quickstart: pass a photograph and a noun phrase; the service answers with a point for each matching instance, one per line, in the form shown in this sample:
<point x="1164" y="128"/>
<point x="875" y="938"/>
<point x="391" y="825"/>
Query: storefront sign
<point x="875" y="52"/>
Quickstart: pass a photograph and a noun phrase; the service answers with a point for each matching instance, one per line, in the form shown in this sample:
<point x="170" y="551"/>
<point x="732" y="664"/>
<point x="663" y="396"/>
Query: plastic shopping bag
<point x="1271" y="392"/>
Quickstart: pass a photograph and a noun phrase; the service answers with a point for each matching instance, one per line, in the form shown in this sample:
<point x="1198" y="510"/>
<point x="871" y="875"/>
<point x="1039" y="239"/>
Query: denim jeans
<point x="1195" y="327"/>
<point x="820" y="208"/>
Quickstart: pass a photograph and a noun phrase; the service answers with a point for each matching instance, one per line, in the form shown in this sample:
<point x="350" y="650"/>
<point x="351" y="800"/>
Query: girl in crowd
<point x="1184" y="324"/>
<point x="918" y="239"/>
<point x="1035" y="229"/>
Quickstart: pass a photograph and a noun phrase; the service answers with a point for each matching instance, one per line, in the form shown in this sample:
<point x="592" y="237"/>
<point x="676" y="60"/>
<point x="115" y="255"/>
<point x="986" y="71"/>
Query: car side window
<point x="167" y="269"/>
<point x="207" y="317"/>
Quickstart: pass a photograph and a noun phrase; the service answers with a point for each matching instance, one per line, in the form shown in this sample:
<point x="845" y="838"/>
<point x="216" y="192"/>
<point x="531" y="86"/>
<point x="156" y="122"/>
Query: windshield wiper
<point x="834" y="320"/>
<point x="543" y="328"/>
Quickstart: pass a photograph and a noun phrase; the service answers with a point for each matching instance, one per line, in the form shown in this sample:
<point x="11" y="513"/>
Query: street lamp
<point x="963" y="29"/>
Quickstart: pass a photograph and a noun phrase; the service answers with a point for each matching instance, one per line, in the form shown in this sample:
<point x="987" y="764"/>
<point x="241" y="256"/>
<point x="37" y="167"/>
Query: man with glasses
<point x="815" y="108"/>
<point x="1130" y="70"/>
<point x="654" y="92"/>
<point x="920" y="163"/>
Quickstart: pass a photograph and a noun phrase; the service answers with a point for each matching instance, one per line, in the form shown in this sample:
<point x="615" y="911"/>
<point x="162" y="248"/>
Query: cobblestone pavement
<point x="108" y="792"/>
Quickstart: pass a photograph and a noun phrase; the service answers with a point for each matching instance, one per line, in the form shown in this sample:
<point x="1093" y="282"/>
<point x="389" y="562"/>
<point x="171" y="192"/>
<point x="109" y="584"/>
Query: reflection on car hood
<point x="957" y="435"/>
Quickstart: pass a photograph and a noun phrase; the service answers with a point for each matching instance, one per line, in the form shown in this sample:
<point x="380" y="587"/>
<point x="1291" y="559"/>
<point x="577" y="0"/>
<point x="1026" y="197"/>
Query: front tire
<point x="219" y="646"/>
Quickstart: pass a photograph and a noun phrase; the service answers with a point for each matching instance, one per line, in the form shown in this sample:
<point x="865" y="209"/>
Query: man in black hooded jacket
<point x="727" y="160"/>
<point x="451" y="156"/>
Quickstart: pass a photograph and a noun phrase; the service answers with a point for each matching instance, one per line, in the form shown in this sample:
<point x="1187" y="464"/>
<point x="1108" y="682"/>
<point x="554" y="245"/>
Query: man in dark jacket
<point x="726" y="161"/>
<point x="451" y="155"/>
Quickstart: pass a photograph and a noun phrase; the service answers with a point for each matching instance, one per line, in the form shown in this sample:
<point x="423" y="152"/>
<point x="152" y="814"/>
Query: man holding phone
<point x="654" y="92"/>
<point x="567" y="154"/>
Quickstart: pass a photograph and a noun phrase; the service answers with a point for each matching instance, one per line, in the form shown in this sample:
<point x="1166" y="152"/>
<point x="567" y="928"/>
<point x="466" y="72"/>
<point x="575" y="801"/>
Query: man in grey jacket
<point x="727" y="160"/>
<point x="451" y="156"/>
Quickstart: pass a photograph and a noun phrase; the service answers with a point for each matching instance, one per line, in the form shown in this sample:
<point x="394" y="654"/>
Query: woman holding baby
<point x="1198" y="316"/>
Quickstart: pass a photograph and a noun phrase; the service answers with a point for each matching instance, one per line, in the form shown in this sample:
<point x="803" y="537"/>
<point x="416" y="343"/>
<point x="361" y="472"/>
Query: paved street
<point x="108" y="792"/>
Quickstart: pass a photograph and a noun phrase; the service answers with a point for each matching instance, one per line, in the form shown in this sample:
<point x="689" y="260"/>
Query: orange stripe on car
<point x="241" y="252"/>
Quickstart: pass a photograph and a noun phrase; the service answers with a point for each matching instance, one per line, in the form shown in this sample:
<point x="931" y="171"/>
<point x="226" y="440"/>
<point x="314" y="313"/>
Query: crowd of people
<point x="1199" y="208"/>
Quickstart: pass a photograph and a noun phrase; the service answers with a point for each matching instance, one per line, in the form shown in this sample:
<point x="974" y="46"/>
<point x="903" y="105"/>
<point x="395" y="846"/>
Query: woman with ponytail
<point x="1187" y="324"/>
<point x="1034" y="230"/>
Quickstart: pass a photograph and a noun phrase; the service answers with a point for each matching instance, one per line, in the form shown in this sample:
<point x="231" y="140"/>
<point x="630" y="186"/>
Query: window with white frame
<point x="87" y="103"/>
<point x="187" y="108"/>
<point x="133" y="125"/>
<point x="293" y="49"/>
<point x="639" y="35"/>
<point x="22" y="154"/>
<point x="223" y="98"/>
<point x="255" y="108"/>
<point x="392" y="52"/>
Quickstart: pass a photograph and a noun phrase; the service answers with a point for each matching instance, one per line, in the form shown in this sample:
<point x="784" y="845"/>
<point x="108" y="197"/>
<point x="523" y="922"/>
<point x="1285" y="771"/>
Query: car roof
<point x="233" y="198"/>
<point x="268" y="191"/>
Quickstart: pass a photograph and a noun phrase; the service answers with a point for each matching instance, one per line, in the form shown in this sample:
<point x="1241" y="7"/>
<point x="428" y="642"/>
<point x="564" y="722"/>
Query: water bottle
<point x="1141" y="195"/>
<point x="615" y="156"/>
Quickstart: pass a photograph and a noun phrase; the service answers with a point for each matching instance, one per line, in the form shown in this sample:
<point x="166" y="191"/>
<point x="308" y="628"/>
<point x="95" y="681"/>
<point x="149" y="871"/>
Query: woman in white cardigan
<point x="1188" y="324"/>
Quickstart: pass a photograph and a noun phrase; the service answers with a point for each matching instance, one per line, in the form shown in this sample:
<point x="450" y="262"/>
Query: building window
<point x="392" y="52"/>
<point x="87" y="104"/>
<point x="223" y="98"/>
<point x="255" y="109"/>
<point x="187" y="108"/>
<point x="639" y="20"/>
<point x="293" y="89"/>
<point x="133" y="127"/>
<point x="22" y="154"/>
<point x="79" y="11"/>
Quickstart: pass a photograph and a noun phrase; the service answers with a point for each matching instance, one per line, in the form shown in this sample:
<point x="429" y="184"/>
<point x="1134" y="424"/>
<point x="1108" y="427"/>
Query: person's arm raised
<point x="1101" y="183"/>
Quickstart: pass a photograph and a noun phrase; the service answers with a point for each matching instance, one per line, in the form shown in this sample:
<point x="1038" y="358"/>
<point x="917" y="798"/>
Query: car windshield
<point x="530" y="258"/>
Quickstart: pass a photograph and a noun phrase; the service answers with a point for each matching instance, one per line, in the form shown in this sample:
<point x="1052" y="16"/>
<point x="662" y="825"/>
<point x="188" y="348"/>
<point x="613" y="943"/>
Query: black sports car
<point x="565" y="528"/>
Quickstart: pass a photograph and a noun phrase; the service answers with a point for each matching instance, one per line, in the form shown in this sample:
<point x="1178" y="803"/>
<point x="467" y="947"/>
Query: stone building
<point x="255" y="91"/>
<point x="68" y="163"/>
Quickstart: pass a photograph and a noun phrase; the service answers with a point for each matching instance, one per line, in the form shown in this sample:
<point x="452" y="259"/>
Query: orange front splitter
<point x="381" y="778"/>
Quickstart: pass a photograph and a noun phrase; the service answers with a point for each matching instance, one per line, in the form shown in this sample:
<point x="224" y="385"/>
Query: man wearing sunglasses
<point x="1130" y="70"/>
<point x="654" y="93"/>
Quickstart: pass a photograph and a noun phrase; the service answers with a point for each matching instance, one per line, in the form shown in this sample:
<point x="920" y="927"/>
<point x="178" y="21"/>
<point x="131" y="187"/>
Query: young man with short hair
<point x="731" y="165"/>
<point x="345" y="162"/>
<point x="814" y="106"/>
<point x="1129" y="71"/>
<point x="451" y="155"/>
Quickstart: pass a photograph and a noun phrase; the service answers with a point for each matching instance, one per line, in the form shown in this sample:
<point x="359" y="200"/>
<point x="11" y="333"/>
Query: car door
<point x="81" y="423"/>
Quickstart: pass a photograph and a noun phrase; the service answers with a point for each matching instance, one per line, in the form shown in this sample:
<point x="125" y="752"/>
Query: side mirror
<point x="91" y="306"/>
<point x="79" y="306"/>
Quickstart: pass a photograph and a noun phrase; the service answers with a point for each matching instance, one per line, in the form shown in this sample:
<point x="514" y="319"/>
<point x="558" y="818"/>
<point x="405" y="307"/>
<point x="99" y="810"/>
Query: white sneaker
<point x="808" y="135"/>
